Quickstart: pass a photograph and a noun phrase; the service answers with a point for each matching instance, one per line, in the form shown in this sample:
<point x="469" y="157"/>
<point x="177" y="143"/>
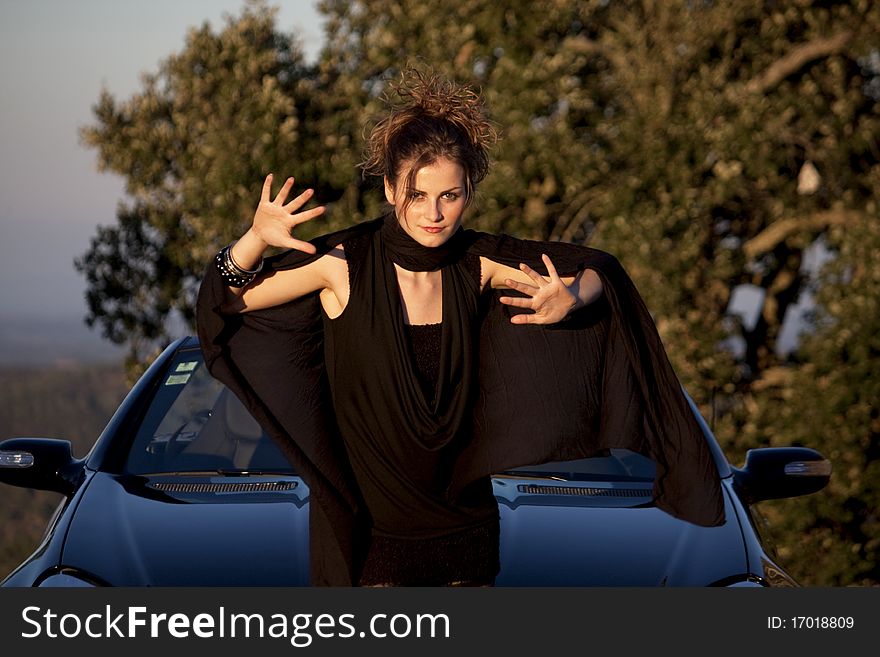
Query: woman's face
<point x="434" y="206"/>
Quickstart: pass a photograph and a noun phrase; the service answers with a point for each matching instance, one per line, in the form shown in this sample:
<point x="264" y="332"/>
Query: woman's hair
<point x="430" y="118"/>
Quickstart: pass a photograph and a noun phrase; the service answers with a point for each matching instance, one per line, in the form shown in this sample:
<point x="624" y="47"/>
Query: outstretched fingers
<point x="551" y="268"/>
<point x="526" y="318"/>
<point x="275" y="220"/>
<point x="525" y="288"/>
<point x="299" y="201"/>
<point x="299" y="218"/>
<point x="299" y="245"/>
<point x="307" y="215"/>
<point x="549" y="299"/>
<point x="267" y="189"/>
<point x="539" y="280"/>
<point x="517" y="302"/>
<point x="296" y="203"/>
<point x="283" y="192"/>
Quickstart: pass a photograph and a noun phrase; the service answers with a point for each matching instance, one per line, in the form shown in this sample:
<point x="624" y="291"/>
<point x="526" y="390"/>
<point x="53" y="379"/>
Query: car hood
<point x="206" y="531"/>
<point x="584" y="540"/>
<point x="191" y="531"/>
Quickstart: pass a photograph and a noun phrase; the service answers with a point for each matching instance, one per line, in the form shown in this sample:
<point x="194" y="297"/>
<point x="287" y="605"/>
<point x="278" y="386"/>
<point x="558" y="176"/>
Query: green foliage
<point x="706" y="145"/>
<point x="832" y="404"/>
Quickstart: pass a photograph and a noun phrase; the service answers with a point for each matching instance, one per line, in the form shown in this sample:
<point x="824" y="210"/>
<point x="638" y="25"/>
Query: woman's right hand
<point x="274" y="219"/>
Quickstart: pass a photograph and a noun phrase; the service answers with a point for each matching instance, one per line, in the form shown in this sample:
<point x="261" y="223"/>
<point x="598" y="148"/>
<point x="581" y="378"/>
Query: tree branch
<point x="583" y="45"/>
<point x="779" y="231"/>
<point x="773" y="377"/>
<point x="796" y="59"/>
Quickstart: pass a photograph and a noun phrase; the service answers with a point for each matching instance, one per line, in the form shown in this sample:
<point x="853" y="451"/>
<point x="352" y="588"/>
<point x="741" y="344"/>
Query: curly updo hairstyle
<point x="429" y="118"/>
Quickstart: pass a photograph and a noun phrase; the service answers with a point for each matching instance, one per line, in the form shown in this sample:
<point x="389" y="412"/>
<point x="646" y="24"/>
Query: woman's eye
<point x="451" y="196"/>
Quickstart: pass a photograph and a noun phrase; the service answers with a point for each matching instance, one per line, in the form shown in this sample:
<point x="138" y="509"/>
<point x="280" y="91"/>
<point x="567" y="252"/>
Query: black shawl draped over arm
<point x="598" y="380"/>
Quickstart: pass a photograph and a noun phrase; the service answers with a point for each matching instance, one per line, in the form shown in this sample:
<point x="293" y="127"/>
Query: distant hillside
<point x="40" y="342"/>
<point x="72" y="402"/>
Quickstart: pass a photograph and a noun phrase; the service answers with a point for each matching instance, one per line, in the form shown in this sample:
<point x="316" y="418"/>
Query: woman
<point x="418" y="369"/>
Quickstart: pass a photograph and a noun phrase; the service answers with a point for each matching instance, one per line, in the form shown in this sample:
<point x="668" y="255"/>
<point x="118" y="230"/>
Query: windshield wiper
<point x="247" y="473"/>
<point x="221" y="472"/>
<point x="521" y="475"/>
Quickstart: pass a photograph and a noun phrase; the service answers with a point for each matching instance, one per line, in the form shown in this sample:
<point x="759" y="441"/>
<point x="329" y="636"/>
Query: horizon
<point x="60" y="341"/>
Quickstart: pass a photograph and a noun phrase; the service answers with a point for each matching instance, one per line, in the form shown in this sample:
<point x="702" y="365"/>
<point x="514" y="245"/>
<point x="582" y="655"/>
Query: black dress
<point x="458" y="547"/>
<point x="401" y="395"/>
<point x="605" y="377"/>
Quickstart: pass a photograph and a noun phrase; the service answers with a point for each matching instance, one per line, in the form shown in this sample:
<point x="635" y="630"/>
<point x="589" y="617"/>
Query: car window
<point x="196" y="424"/>
<point x="613" y="465"/>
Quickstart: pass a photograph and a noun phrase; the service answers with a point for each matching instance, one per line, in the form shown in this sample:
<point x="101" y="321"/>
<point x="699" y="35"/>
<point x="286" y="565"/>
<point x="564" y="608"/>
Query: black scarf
<point x="412" y="256"/>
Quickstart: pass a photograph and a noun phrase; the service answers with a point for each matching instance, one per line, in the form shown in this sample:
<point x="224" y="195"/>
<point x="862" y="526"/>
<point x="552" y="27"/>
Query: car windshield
<point x="613" y="465"/>
<point x="196" y="424"/>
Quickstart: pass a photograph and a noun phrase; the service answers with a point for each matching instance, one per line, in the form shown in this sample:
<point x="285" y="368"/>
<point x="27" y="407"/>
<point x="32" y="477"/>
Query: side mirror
<point x="40" y="463"/>
<point x="772" y="473"/>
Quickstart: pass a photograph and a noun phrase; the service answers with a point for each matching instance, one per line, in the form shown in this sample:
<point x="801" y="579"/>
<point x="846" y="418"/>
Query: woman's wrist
<point x="241" y="261"/>
<point x="231" y="272"/>
<point x="247" y="251"/>
<point x="585" y="288"/>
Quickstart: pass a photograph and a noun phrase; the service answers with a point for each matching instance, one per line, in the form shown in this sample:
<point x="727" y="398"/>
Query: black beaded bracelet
<point x="231" y="273"/>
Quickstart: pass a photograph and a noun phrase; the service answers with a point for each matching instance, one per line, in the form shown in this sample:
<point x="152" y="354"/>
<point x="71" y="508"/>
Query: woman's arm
<point x="279" y="287"/>
<point x="552" y="298"/>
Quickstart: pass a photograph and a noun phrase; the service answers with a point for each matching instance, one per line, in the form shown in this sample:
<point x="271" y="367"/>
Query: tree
<point x="831" y="402"/>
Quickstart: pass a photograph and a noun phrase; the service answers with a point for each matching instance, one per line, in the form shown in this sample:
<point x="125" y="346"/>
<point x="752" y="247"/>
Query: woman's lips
<point x="433" y="229"/>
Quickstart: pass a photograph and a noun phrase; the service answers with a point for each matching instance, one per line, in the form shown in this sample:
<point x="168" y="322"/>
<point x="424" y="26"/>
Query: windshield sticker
<point x="188" y="366"/>
<point x="177" y="379"/>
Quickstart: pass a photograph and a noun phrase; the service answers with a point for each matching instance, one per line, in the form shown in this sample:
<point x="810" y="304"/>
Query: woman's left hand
<point x="549" y="297"/>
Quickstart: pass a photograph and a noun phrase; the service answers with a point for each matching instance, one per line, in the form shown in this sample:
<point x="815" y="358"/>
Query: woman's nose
<point x="435" y="211"/>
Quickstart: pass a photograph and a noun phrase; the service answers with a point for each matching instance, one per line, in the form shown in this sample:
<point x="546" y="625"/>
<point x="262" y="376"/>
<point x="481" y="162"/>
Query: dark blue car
<point x="183" y="488"/>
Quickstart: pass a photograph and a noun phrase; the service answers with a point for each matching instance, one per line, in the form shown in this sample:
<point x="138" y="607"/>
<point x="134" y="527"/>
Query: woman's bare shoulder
<point x="335" y="263"/>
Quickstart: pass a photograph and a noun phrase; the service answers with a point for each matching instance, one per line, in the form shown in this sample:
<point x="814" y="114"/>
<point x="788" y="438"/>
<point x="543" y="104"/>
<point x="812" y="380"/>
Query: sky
<point x="55" y="57"/>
